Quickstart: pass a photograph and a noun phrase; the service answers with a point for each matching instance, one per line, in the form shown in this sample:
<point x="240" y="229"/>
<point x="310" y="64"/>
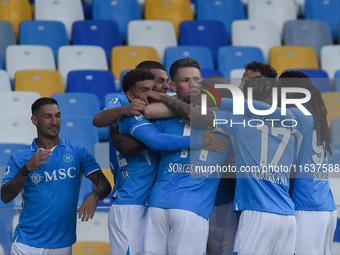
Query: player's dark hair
<point x="316" y="104"/>
<point x="264" y="69"/>
<point x="182" y="63"/>
<point x="40" y="102"/>
<point x="149" y="64"/>
<point x="261" y="86"/>
<point x="133" y="76"/>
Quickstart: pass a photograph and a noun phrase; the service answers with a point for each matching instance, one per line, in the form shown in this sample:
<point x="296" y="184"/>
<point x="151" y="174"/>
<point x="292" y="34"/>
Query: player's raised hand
<point x="134" y="108"/>
<point x="213" y="143"/>
<point x="88" y="207"/>
<point x="37" y="159"/>
<point x="153" y="96"/>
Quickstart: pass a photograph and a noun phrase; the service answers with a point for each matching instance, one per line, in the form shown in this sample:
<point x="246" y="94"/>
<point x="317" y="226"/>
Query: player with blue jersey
<point x="49" y="173"/>
<point x="264" y="155"/>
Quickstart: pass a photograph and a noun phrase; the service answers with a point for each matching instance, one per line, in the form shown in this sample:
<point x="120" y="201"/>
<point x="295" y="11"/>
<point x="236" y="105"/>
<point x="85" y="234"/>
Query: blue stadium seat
<point x="236" y="57"/>
<point x="313" y="33"/>
<point x="225" y="11"/>
<point x="75" y="104"/>
<point x="44" y="32"/>
<point x="209" y="33"/>
<point x="337" y="81"/>
<point x="7" y="37"/>
<point x="104" y="33"/>
<point x="201" y="54"/>
<point x="337" y="231"/>
<point x="318" y="77"/>
<point x="99" y="82"/>
<point x="120" y="11"/>
<point x="325" y="10"/>
<point x="209" y="72"/>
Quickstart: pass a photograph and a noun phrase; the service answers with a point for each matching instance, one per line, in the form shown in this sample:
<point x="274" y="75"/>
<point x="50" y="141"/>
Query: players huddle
<point x="165" y="202"/>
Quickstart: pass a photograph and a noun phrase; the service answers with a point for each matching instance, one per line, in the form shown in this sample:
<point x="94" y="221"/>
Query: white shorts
<point x="126" y="229"/>
<point x="24" y="249"/>
<point x="265" y="233"/>
<point x="315" y="232"/>
<point x="222" y="230"/>
<point x="175" y="231"/>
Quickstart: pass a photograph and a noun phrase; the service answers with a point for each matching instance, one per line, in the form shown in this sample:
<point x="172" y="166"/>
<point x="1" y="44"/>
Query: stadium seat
<point x="324" y="10"/>
<point x="158" y="34"/>
<point x="318" y="77"/>
<point x="332" y="102"/>
<point x="293" y="57"/>
<point x="28" y="57"/>
<point x="99" y="82"/>
<point x="80" y="57"/>
<point x="6" y="150"/>
<point x="16" y="129"/>
<point x="15" y="11"/>
<point x="7" y="37"/>
<point x="128" y="57"/>
<point x="235" y="57"/>
<point x="201" y="54"/>
<point x="17" y="103"/>
<point x="225" y="11"/>
<point x="65" y="11"/>
<point x="256" y="33"/>
<point x="104" y="33"/>
<point x="313" y="33"/>
<point x="209" y="72"/>
<point x="120" y="11"/>
<point x="335" y="130"/>
<point x="5" y="82"/>
<point x="86" y="187"/>
<point x="273" y="11"/>
<point x="44" y="32"/>
<point x="337" y="81"/>
<point x="175" y="11"/>
<point x="209" y="33"/>
<point x="335" y="157"/>
<point x="45" y="82"/>
<point x="101" y="154"/>
<point x="330" y="59"/>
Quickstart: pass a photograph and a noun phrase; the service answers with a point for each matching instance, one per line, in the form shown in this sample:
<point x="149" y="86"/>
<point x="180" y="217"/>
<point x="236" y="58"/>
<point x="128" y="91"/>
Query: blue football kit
<point x="50" y="194"/>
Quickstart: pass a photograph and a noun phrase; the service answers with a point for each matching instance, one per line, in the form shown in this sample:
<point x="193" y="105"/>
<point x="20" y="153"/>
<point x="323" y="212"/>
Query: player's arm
<point x="126" y="144"/>
<point x="101" y="191"/>
<point x="110" y="116"/>
<point x="157" y="110"/>
<point x="11" y="189"/>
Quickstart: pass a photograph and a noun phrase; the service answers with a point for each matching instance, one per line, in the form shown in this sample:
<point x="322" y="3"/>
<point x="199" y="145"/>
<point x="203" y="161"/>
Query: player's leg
<point x="126" y="223"/>
<point x="315" y="232"/>
<point x="24" y="249"/>
<point x="188" y="232"/>
<point x="222" y="230"/>
<point x="156" y="231"/>
<point x="286" y="237"/>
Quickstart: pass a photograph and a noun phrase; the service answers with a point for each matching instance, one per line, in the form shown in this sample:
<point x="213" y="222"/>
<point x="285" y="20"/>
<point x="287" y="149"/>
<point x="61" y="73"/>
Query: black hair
<point x="315" y="104"/>
<point x="135" y="75"/>
<point x="149" y="64"/>
<point x="261" y="86"/>
<point x="40" y="102"/>
<point x="182" y="63"/>
<point x="264" y="69"/>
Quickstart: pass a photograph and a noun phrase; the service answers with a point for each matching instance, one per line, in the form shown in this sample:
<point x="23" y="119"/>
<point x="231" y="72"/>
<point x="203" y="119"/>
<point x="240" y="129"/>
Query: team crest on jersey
<point x="68" y="158"/>
<point x="36" y="178"/>
<point x="7" y="170"/>
<point x="139" y="117"/>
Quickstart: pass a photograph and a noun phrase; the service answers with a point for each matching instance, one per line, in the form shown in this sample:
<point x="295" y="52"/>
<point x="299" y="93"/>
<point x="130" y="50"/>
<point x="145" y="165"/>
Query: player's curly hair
<point x="265" y="69"/>
<point x="315" y="104"/>
<point x="261" y="86"/>
<point x="133" y="76"/>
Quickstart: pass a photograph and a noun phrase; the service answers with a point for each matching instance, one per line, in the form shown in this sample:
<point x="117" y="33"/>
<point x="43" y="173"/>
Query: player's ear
<point x="129" y="95"/>
<point x="172" y="86"/>
<point x="34" y="120"/>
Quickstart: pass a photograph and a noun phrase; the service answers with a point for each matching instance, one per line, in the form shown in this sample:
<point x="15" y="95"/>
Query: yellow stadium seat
<point x="174" y="11"/>
<point x="128" y="57"/>
<point x="293" y="57"/>
<point x="45" y="82"/>
<point x="332" y="102"/>
<point x="91" y="248"/>
<point x="15" y="11"/>
<point x="108" y="174"/>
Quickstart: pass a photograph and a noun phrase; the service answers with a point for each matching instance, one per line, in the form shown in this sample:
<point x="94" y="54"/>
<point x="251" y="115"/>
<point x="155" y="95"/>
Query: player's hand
<point x="153" y="96"/>
<point x="88" y="207"/>
<point x="37" y="159"/>
<point x="135" y="107"/>
<point x="213" y="143"/>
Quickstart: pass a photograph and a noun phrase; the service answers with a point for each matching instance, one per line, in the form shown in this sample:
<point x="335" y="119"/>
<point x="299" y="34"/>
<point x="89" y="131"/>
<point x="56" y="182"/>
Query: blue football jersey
<point x="187" y="179"/>
<point x="264" y="155"/>
<point x="50" y="194"/>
